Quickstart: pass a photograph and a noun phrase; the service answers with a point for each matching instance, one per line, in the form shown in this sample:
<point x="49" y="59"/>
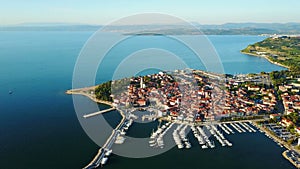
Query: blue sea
<point x="39" y="127"/>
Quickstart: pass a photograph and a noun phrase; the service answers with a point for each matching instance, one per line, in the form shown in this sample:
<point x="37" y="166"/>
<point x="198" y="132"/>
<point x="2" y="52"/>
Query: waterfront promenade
<point x="285" y="144"/>
<point x="287" y="154"/>
<point x="274" y="137"/>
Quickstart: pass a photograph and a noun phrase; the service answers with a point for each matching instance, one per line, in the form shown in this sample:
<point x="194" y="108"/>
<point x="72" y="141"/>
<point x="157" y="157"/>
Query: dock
<point x="97" y="161"/>
<point x="292" y="157"/>
<point x="99" y="112"/>
<point x="102" y="151"/>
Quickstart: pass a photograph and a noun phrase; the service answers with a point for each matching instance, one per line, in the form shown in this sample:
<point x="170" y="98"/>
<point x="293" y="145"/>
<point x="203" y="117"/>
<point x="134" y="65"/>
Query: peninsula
<point x="282" y="50"/>
<point x="205" y="101"/>
<point x="194" y="98"/>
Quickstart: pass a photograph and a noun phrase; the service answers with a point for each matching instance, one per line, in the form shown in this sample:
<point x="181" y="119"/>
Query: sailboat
<point x="204" y="146"/>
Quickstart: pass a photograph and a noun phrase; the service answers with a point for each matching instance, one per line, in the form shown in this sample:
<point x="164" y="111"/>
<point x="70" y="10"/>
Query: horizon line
<point x="41" y="24"/>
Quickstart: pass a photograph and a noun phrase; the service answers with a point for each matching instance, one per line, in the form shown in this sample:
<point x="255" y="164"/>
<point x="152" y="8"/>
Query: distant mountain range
<point x="223" y="29"/>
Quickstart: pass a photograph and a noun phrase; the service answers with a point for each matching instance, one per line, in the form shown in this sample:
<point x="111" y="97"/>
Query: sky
<point x="106" y="11"/>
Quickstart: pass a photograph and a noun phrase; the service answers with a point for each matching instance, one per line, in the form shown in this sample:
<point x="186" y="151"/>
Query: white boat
<point x="188" y="145"/>
<point x="120" y="140"/>
<point x="104" y="160"/>
<point x="180" y="146"/>
<point x="204" y="146"/>
<point x="153" y="135"/>
<point x="152" y="141"/>
<point x="123" y="133"/>
<point x="108" y="152"/>
<point x="152" y="145"/>
<point x="228" y="143"/>
<point x="211" y="144"/>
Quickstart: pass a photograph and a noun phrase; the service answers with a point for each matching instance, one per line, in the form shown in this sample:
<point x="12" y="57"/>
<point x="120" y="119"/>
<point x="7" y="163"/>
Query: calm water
<point x="38" y="125"/>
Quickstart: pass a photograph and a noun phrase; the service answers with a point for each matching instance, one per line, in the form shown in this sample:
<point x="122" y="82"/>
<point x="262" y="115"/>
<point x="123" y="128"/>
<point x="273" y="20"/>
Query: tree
<point x="103" y="91"/>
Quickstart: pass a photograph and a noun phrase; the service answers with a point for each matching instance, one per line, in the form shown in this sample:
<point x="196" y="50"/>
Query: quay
<point x="102" y="152"/>
<point x="99" y="112"/>
<point x="269" y="133"/>
<point x="292" y="157"/>
<point x="286" y="154"/>
<point x="106" y="149"/>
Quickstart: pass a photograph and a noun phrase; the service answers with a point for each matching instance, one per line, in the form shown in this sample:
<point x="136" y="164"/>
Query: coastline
<point x="86" y="92"/>
<point x="285" y="144"/>
<point x="265" y="57"/>
<point x="284" y="154"/>
<point x="272" y="135"/>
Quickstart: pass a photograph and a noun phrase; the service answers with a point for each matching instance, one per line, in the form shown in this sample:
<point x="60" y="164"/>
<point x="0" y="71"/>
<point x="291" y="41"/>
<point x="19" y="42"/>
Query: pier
<point x="106" y="149"/>
<point x="102" y="151"/>
<point x="99" y="112"/>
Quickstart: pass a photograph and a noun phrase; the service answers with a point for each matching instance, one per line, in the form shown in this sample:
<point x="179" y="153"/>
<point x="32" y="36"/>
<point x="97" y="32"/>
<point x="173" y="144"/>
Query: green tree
<point x="103" y="91"/>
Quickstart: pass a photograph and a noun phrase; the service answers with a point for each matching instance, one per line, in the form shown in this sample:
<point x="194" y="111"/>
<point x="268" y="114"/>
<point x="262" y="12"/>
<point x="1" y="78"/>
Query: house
<point x="286" y="122"/>
<point x="141" y="102"/>
<point x="275" y="116"/>
<point x="289" y="111"/>
<point x="116" y="101"/>
<point x="288" y="86"/>
<point x="296" y="84"/>
<point x="253" y="88"/>
<point x="174" y="113"/>
<point x="298" y="130"/>
<point x="296" y="106"/>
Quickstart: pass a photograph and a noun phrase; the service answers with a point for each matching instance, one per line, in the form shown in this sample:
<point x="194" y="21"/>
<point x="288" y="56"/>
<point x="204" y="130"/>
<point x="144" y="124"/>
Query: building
<point x="298" y="131"/>
<point x="275" y="116"/>
<point x="142" y="85"/>
<point x="286" y="122"/>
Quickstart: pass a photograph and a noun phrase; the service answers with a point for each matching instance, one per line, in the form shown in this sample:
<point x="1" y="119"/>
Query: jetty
<point x="99" y="112"/>
<point x="103" y="152"/>
<point x="292" y="156"/>
<point x="101" y="157"/>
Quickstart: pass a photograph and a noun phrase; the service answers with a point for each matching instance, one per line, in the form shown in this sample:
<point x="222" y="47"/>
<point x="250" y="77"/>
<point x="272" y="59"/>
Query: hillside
<point x="281" y="50"/>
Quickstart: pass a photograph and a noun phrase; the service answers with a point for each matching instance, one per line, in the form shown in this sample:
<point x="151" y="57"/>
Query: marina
<point x="102" y="156"/>
<point x="156" y="138"/>
<point x="179" y="136"/>
<point x="202" y="134"/>
<point x="205" y="134"/>
<point x="236" y="128"/>
<point x="208" y="136"/>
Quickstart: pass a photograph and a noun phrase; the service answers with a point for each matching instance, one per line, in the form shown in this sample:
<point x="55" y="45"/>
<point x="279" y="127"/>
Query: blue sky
<point x="105" y="11"/>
